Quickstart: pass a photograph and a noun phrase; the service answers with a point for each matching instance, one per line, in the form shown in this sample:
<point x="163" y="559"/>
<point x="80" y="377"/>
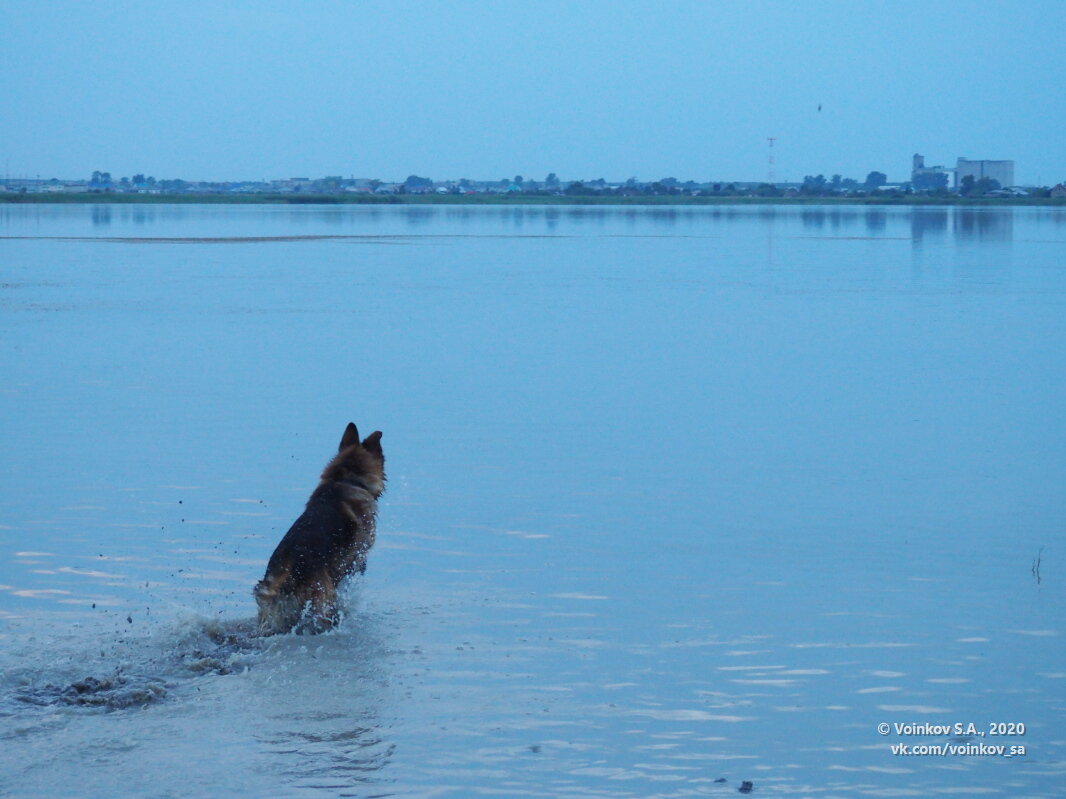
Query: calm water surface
<point x="678" y="498"/>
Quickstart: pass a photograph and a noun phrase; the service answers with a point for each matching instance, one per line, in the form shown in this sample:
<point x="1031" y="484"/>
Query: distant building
<point x="1001" y="171"/>
<point x="292" y="185"/>
<point x="926" y="178"/>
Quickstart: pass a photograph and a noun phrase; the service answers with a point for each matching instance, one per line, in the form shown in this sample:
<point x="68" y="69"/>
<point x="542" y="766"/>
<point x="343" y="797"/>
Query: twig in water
<point x="1036" y="566"/>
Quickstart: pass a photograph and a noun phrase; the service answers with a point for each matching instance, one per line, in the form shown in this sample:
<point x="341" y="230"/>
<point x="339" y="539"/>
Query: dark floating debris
<point x="109" y="693"/>
<point x="200" y="662"/>
<point x="217" y="649"/>
<point x="746" y="787"/>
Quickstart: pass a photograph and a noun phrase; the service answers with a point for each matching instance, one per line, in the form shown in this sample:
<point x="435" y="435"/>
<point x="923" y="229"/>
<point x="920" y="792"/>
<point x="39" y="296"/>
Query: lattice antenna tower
<point x="770" y="160"/>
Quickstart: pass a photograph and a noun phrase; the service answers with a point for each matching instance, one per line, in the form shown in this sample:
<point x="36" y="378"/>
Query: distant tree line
<point x="977" y="186"/>
<point x="103" y="180"/>
<point x="818" y="186"/>
<point x="812" y="186"/>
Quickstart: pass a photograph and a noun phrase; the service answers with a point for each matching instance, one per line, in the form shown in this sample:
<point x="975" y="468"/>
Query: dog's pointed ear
<point x="373" y="443"/>
<point x="351" y="436"/>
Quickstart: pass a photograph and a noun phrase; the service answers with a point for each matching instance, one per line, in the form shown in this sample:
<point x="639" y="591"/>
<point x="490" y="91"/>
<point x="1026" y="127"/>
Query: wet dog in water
<point x="327" y="543"/>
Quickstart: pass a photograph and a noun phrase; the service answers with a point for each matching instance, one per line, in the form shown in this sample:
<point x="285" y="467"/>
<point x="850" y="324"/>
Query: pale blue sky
<point x="250" y="90"/>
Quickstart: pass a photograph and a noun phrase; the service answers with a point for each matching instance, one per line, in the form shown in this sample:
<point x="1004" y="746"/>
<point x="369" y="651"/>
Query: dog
<point x="329" y="541"/>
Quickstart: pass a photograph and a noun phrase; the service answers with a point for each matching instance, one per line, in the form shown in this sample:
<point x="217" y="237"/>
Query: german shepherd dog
<point x="327" y="543"/>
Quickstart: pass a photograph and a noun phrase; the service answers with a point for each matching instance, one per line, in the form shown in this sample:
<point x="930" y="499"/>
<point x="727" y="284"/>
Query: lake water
<point x="678" y="498"/>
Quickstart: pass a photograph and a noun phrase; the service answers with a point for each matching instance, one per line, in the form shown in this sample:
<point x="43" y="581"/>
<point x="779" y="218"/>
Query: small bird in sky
<point x="819" y="106"/>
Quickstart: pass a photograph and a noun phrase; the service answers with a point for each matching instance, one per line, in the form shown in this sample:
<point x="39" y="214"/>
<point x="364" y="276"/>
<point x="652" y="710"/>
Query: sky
<point x="247" y="90"/>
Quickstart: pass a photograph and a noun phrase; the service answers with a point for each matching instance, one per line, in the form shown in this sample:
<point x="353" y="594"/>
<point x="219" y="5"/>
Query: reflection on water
<point x="101" y="215"/>
<point x="964" y="224"/>
<point x="980" y="225"/>
<point x="961" y="223"/>
<point x="920" y="223"/>
<point x="679" y="498"/>
<point x="934" y="222"/>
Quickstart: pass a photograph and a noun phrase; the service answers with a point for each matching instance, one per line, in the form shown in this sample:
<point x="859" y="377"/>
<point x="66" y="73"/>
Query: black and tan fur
<point x="328" y="542"/>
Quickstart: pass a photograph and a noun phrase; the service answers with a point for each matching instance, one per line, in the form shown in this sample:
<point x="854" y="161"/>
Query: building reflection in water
<point x="927" y="223"/>
<point x="984" y="224"/>
<point x="963" y="224"/>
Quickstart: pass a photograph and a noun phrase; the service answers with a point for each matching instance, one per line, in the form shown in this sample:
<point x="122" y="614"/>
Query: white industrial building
<point x="929" y="177"/>
<point x="1002" y="171"/>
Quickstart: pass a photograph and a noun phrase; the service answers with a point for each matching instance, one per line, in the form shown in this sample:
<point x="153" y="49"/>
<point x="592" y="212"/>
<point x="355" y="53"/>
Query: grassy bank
<point x="510" y="199"/>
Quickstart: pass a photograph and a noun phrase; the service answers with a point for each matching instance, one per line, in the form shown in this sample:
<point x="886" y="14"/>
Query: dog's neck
<point x="358" y="484"/>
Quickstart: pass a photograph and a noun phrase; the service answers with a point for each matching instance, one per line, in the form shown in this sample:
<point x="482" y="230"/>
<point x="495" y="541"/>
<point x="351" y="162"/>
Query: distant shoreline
<point x="501" y="199"/>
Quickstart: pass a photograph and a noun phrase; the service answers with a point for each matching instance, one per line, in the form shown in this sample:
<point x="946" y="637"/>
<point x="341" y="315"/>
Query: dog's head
<point x="359" y="462"/>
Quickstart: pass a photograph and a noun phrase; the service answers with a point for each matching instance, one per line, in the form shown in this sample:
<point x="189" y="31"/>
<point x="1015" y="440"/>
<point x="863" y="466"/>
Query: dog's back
<point x="328" y="542"/>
